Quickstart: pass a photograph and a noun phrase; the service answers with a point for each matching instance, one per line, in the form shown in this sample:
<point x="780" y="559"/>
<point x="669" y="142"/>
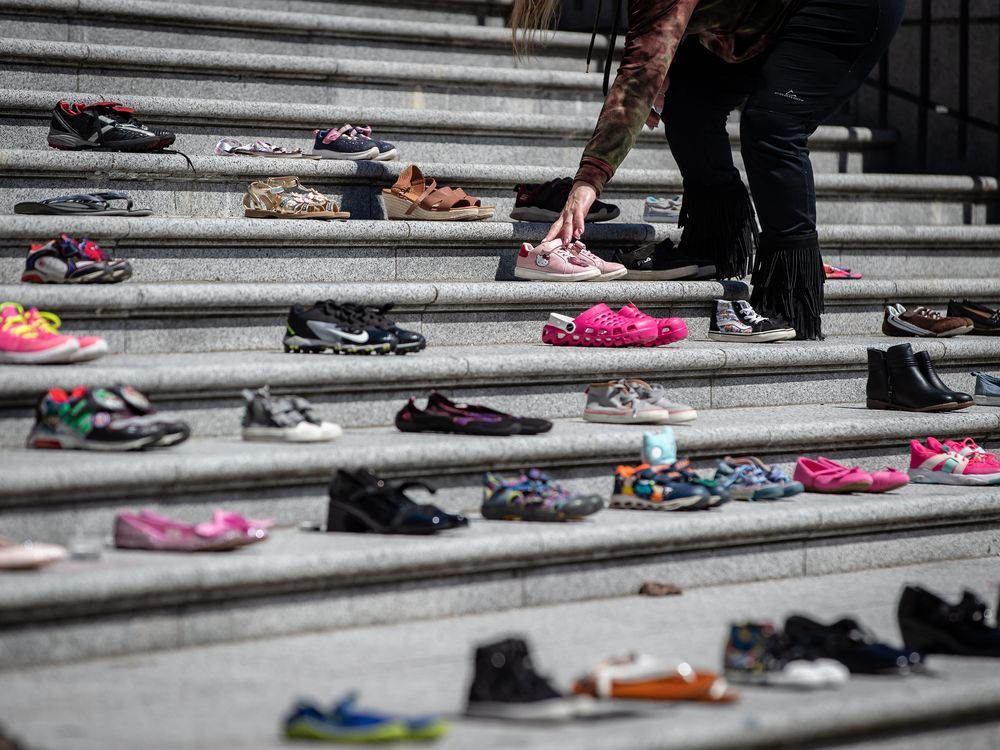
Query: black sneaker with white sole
<point x="370" y="316"/>
<point x="738" y="321"/>
<point x="662" y="262"/>
<point x="103" y="126"/>
<point x="327" y="325"/>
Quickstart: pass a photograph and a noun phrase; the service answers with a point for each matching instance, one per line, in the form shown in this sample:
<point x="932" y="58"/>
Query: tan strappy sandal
<point x="287" y="198"/>
<point x="413" y="197"/>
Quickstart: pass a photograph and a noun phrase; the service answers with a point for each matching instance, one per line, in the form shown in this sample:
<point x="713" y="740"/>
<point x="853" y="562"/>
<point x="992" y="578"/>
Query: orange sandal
<point x="641" y="677"/>
<point x="413" y="197"/>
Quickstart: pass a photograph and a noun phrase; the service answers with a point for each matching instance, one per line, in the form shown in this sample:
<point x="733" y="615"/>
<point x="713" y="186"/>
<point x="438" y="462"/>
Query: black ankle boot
<point x="896" y="382"/>
<point x="928" y="371"/>
<point x="720" y="227"/>
<point x="788" y="281"/>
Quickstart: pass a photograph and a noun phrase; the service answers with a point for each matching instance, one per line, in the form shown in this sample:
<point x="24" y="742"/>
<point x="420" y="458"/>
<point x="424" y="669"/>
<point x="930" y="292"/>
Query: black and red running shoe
<point x="529" y="425"/>
<point x="103" y="126"/>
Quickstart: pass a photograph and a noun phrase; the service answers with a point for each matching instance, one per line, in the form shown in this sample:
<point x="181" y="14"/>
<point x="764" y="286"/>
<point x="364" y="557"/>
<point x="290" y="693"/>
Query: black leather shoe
<point x="896" y="382"/>
<point x="851" y="645"/>
<point x="928" y="371"/>
<point x="933" y="626"/>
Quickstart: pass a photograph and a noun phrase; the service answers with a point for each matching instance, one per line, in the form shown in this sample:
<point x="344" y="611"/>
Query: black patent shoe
<point x="933" y="626"/>
<point x="850" y="644"/>
<point x="362" y="503"/>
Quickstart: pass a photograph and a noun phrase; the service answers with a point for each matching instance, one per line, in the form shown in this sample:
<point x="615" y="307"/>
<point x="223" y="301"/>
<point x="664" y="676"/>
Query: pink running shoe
<point x="817" y="476"/>
<point x="24" y="344"/>
<point x="152" y="531"/>
<point x="550" y="261"/>
<point x="968" y="447"/>
<point x="609" y="270"/>
<point x="884" y="480"/>
<point x="91" y="347"/>
<point x="936" y="464"/>
<point x="671" y="329"/>
<point x="598" y="326"/>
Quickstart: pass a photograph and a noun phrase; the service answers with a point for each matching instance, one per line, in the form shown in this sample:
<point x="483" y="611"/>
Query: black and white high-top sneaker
<point x="103" y="126"/>
<point x="327" y="325"/>
<point x="738" y="321"/>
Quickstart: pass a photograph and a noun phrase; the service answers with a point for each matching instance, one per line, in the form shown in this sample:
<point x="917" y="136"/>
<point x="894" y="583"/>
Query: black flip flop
<point x="89" y="204"/>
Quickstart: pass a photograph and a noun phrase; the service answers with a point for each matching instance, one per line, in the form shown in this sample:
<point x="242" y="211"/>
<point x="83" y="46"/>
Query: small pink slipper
<point x="151" y="531"/>
<point x="599" y="326"/>
<point x="671" y="329"/>
<point x="884" y="480"/>
<point x="820" y="477"/>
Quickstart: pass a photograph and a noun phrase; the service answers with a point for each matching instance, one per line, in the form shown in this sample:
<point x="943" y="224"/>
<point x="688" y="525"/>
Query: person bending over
<point x="790" y="64"/>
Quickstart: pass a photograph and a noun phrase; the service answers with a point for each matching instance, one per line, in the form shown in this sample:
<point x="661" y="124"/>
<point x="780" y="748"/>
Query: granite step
<point x="216" y="185"/>
<point x="55" y="66"/>
<point x="252" y="250"/>
<point x="288" y="482"/>
<point x="215" y="317"/>
<point x="146" y="23"/>
<point x="205" y="388"/>
<point x="253" y="684"/>
<point x="129" y="602"/>
<point x="429" y="135"/>
<point x="465" y="12"/>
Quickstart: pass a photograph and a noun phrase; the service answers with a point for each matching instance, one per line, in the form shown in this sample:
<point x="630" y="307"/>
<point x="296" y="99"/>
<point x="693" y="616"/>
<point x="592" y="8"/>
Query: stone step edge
<point x="231" y="463"/>
<point x="198" y="299"/>
<point x="168" y="110"/>
<point x="200" y="17"/>
<point x="125" y="166"/>
<point x="218" y="578"/>
<point x="201" y="377"/>
<point x="239" y="231"/>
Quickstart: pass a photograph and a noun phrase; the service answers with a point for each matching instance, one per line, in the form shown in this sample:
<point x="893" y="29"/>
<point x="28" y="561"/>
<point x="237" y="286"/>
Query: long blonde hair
<point x="528" y="19"/>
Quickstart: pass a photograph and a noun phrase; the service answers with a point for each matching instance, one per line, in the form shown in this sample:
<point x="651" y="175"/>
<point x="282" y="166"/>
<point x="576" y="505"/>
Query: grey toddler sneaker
<point x="987" y="389"/>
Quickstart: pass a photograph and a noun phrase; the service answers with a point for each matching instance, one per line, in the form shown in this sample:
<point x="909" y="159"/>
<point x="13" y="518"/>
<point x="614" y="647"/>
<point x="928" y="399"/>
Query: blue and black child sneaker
<point x="345" y="723"/>
<point x="103" y="126"/>
<point x="345" y="143"/>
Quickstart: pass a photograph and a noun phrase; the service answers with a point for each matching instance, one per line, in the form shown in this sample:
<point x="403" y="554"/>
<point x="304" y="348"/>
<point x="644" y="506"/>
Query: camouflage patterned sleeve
<point x="655" y="29"/>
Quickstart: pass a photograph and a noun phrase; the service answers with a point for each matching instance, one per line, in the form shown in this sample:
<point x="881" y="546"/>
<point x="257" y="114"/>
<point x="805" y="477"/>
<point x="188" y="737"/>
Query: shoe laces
<point x="926" y="312"/>
<point x="44" y="321"/>
<point x="16" y="324"/>
<point x="348" y="130"/>
<point x="749" y="313"/>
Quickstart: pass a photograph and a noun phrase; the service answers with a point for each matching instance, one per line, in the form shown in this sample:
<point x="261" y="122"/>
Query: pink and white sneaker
<point x="609" y="270"/>
<point x="672" y="330"/>
<point x="23" y="344"/>
<point x="598" y="326"/>
<point x="551" y="261"/>
<point x="968" y="447"/>
<point x="937" y="464"/>
<point x="90" y="347"/>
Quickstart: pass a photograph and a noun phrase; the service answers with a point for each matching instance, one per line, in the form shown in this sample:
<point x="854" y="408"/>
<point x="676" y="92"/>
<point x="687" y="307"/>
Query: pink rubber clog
<point x="599" y="326"/>
<point x="884" y="480"/>
<point x="816" y="476"/>
<point x="671" y="330"/>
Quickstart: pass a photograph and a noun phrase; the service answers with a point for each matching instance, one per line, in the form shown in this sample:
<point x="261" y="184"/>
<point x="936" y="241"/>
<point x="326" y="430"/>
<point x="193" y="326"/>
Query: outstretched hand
<point x="569" y="226"/>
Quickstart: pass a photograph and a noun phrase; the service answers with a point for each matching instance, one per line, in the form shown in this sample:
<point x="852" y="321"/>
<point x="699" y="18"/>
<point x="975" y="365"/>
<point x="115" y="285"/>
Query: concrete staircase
<point x="202" y="319"/>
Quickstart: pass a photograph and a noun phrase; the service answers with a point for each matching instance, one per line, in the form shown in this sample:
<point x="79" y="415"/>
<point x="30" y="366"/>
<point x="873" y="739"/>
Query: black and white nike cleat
<point x="327" y="325"/>
<point x="103" y="126"/>
<point x="377" y="316"/>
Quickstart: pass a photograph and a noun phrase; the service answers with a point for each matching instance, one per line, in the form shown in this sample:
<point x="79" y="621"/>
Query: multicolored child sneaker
<point x="756" y="654"/>
<point x="89" y="347"/>
<point x="609" y="270"/>
<point x="62" y="261"/>
<point x="533" y="497"/>
<point x="672" y="330"/>
<point x="598" y="326"/>
<point x="937" y="464"/>
<point x="644" y="488"/>
<point x="552" y="261"/>
<point x="21" y="343"/>
<point x="89" y="419"/>
<point x="680" y="471"/>
<point x="345" y="723"/>
<point x="120" y="268"/>
<point x="339" y="143"/>
<point x="774" y="473"/>
<point x="175" y="431"/>
<point x="748" y="482"/>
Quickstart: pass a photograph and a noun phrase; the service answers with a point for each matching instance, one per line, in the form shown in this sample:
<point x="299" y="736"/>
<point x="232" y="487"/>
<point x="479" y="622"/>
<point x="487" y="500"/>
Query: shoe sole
<point x="529" y="274"/>
<point x="368" y="155"/>
<point x="753" y="338"/>
<point x="751" y="495"/>
<point x="630" y="502"/>
<point x="929" y="476"/>
<point x="544" y="215"/>
<point x="902" y="328"/>
<point x="300" y="345"/>
<point x="281" y="435"/>
<point x="55" y="355"/>
<point x="554" y="710"/>
<point x="73" y="142"/>
<point x="660" y="417"/>
<point x="611" y="275"/>
<point x="988" y="400"/>
<point x="843" y="489"/>
<point x="67" y="441"/>
<point x="950" y="406"/>
<point x="396" y="210"/>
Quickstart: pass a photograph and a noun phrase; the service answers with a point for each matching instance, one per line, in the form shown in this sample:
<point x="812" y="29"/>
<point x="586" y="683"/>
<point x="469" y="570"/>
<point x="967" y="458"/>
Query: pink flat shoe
<point x="816" y="476"/>
<point x="671" y="330"/>
<point x="598" y="326"/>
<point x="884" y="480"/>
<point x="151" y="531"/>
<point x="253" y="529"/>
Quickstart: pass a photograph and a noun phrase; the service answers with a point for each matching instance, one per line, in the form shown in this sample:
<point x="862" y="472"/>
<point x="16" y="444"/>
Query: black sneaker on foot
<point x="505" y="685"/>
<point x="545" y="202"/>
<point x="327" y="325"/>
<point x="662" y="262"/>
<point x="375" y="317"/>
<point x="103" y="126"/>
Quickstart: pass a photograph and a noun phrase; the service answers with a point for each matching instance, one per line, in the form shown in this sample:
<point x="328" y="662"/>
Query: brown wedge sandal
<point x="287" y="198"/>
<point x="413" y="197"/>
